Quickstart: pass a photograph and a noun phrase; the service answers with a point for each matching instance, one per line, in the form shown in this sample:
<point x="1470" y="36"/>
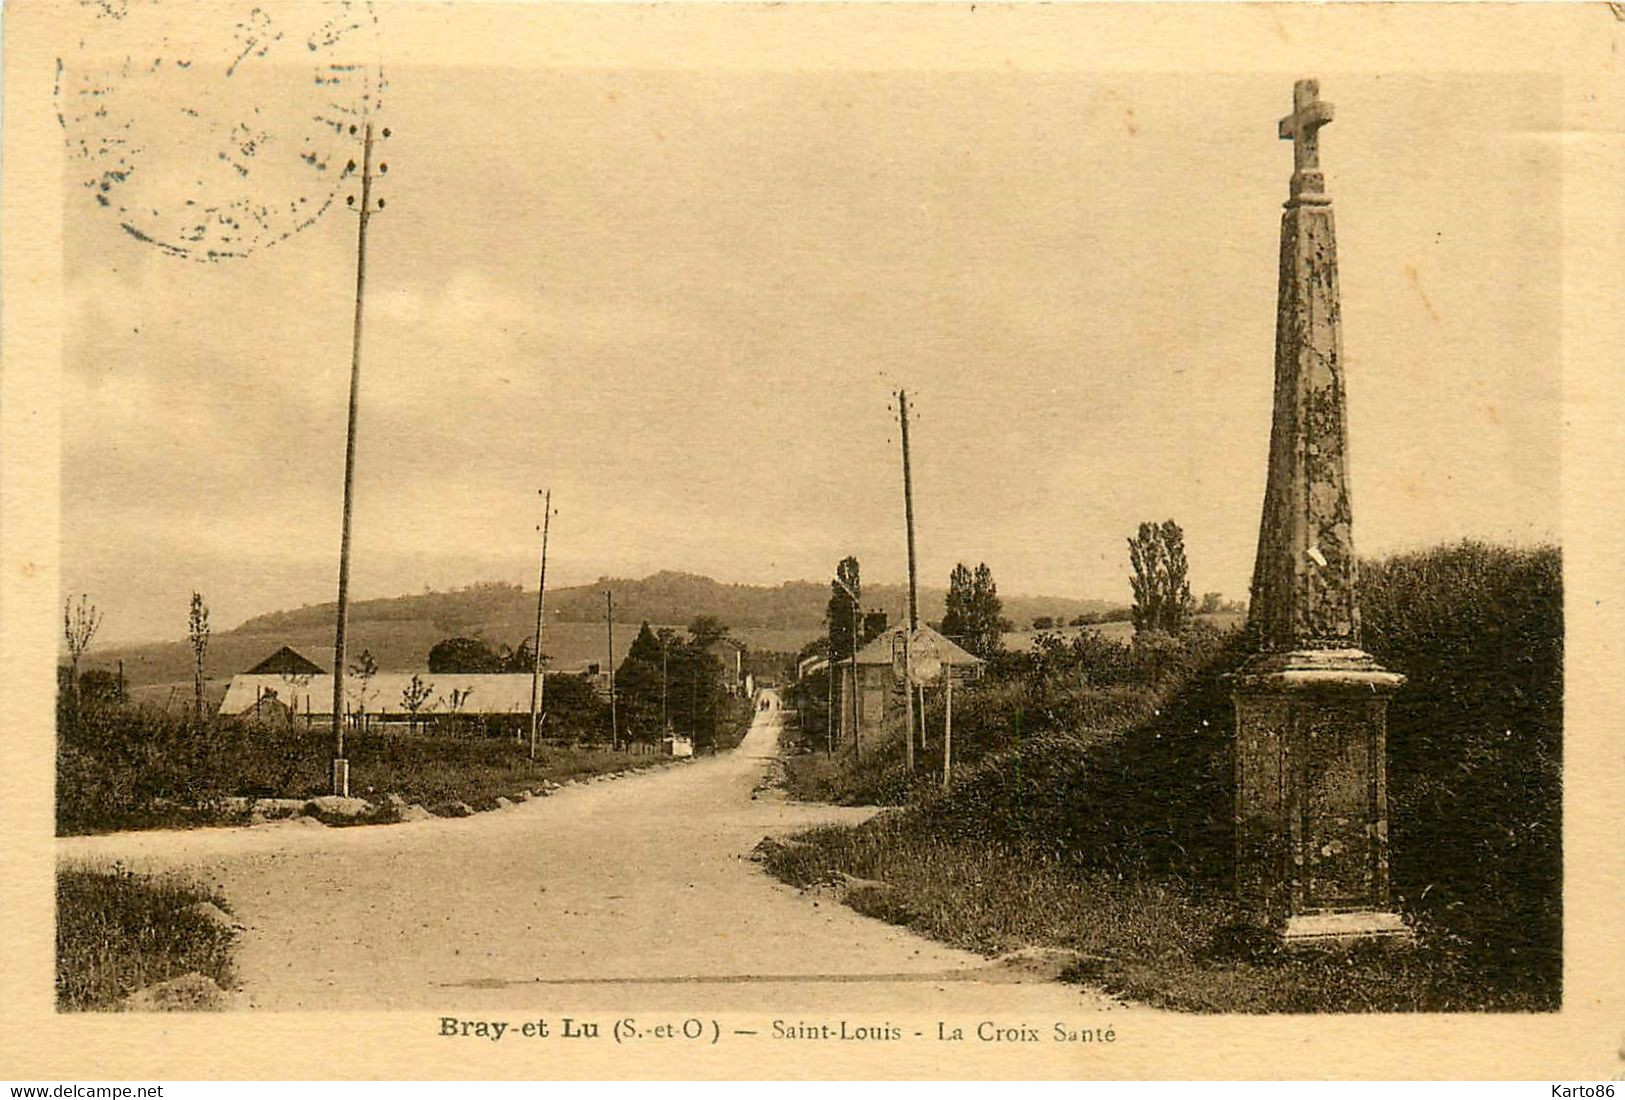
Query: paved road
<point x="633" y="890"/>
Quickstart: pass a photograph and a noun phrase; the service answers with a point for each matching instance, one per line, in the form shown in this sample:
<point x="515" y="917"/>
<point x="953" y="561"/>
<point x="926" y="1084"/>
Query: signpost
<point x="925" y="665"/>
<point x="853" y="706"/>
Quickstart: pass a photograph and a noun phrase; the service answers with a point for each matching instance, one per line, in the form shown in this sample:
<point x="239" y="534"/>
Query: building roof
<point x="879" y="651"/>
<point x="488" y="693"/>
<point x="289" y="660"/>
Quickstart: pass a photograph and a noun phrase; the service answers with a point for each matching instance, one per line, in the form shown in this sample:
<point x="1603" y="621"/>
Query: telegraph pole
<point x="908" y="514"/>
<point x="341" y="766"/>
<point x="609" y="619"/>
<point x="913" y="595"/>
<point x="537" y="684"/>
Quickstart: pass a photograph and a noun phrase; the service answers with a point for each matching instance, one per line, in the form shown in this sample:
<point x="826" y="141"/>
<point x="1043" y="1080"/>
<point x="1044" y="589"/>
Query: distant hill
<point x="664" y="597"/>
<point x="400" y="630"/>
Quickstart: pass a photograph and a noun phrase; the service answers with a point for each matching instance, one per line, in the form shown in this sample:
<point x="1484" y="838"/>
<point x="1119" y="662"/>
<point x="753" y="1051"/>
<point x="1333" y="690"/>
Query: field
<point x="1020" y="641"/>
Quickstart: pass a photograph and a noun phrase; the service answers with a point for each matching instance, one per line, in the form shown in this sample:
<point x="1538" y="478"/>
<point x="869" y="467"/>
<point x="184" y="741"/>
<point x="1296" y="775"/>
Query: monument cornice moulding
<point x="1307" y="669"/>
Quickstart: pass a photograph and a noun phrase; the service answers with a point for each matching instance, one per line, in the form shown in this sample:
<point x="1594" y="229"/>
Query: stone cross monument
<point x="1311" y="705"/>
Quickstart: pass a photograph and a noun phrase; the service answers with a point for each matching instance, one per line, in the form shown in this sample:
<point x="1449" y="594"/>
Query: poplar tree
<point x="1160" y="578"/>
<point x="973" y="613"/>
<point x="197" y="633"/>
<point x="986" y="633"/>
<point x="957" y="607"/>
<point x="842" y="610"/>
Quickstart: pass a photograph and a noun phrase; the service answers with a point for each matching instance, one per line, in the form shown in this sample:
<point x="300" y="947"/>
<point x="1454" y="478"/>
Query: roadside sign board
<point x="925" y="662"/>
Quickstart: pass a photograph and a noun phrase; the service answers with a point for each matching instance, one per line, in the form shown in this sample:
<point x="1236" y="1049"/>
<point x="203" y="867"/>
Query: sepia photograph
<point x="753" y="546"/>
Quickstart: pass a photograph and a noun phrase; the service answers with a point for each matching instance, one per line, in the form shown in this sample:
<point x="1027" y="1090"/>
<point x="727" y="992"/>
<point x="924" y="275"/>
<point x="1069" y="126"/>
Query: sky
<point x="683" y="300"/>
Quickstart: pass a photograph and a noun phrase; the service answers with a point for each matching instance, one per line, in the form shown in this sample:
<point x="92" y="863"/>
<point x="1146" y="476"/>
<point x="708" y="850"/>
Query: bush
<point x="139" y="767"/>
<point x="1082" y="687"/>
<point x="1146" y="787"/>
<point x="1475" y="749"/>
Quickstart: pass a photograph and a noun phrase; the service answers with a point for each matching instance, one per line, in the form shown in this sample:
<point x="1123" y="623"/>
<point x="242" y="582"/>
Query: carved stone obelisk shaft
<point x="1311" y="706"/>
<point x="1303" y="577"/>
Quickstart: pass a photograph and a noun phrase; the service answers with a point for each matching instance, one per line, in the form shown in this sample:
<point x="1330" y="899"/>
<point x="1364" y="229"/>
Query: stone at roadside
<point x="503" y="803"/>
<point x="402" y="810"/>
<point x="337" y="805"/>
<point x="301" y="822"/>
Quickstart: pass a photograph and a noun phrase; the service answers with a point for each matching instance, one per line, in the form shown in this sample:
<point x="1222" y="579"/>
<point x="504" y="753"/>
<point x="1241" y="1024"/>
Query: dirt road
<point x="636" y="888"/>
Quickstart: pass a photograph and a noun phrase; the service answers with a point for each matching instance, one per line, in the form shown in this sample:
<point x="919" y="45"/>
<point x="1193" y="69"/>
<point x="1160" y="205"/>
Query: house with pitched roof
<point x="286" y="661"/>
<point x="880" y="678"/>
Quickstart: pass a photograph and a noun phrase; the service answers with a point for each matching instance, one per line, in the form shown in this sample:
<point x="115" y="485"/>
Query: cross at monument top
<point x="1302" y="128"/>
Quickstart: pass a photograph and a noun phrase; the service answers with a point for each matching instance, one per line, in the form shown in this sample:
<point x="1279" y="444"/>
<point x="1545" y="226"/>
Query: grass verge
<point x="1159" y="942"/>
<point x="118" y="932"/>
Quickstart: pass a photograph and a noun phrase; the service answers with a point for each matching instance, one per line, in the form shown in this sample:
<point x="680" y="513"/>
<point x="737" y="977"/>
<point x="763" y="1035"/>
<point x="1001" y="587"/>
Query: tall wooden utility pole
<point x="913" y="578"/>
<point x="908" y="514"/>
<point x="538" y="686"/>
<point x="609" y="618"/>
<point x="341" y="766"/>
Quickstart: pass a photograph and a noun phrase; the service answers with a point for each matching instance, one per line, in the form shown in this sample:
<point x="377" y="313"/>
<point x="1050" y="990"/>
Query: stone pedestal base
<point x="1311" y="794"/>
<point x="1343" y="929"/>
